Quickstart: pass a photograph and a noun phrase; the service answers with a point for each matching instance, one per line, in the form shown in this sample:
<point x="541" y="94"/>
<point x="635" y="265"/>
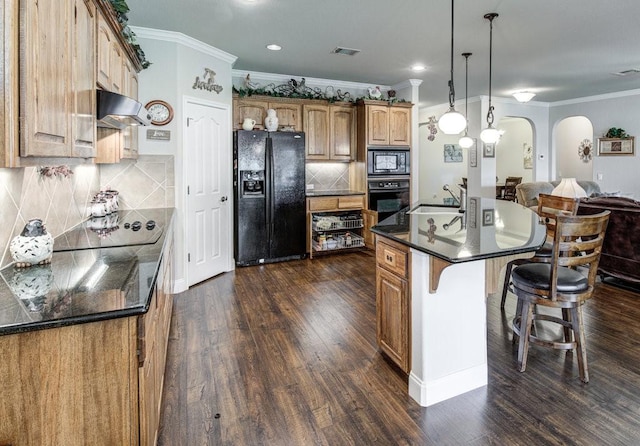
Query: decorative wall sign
<point x="527" y="156"/>
<point x="452" y="153"/>
<point x="473" y="153"/>
<point x="585" y="150"/>
<point x="489" y="151"/>
<point x="208" y="82"/>
<point x="616" y="146"/>
<point x="158" y="135"/>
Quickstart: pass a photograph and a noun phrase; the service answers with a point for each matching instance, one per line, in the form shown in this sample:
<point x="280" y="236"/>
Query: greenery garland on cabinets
<point x="121" y="9"/>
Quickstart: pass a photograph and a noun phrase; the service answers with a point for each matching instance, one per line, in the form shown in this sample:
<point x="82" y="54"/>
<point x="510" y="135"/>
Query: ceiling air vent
<point x="347" y="51"/>
<point x="627" y="72"/>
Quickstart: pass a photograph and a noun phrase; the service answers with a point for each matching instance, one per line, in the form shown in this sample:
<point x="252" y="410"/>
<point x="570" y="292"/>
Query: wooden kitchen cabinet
<point x="57" y="97"/>
<point x="289" y="113"/>
<point x="97" y="383"/>
<point x="393" y="302"/>
<point x="330" y="132"/>
<point x="330" y="218"/>
<point x="52" y="63"/>
<point x="385" y="125"/>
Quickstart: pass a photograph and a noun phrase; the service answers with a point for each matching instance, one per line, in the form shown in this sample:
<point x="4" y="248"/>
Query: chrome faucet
<point x="462" y="199"/>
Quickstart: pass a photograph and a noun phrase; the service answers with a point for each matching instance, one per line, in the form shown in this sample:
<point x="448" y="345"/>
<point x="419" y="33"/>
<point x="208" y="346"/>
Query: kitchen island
<point x="83" y="339"/>
<point x="434" y="268"/>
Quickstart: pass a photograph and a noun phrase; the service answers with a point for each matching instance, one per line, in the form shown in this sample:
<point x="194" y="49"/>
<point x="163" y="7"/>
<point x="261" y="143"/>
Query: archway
<point x="574" y="147"/>
<point x="515" y="151"/>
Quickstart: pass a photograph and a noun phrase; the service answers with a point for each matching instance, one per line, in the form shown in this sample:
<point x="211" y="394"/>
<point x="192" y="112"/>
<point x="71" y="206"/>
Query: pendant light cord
<point x="490" y="17"/>
<point x="452" y="93"/>
<point x="466" y="85"/>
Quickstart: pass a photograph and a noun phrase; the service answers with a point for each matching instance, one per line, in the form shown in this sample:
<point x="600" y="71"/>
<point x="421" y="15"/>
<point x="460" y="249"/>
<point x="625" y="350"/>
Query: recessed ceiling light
<point x="418" y="67"/>
<point x="274" y="47"/>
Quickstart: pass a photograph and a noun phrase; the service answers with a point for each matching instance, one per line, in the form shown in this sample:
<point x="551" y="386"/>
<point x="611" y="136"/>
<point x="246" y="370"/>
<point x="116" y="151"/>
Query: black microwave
<point x="388" y="161"/>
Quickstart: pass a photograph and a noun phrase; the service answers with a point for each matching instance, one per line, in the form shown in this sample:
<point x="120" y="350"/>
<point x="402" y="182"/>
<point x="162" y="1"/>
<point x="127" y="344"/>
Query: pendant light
<point x="466" y="141"/>
<point x="490" y="135"/>
<point x="452" y="122"/>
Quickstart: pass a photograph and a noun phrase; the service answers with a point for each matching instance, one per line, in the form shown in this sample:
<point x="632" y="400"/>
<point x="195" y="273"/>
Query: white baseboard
<point x="432" y="392"/>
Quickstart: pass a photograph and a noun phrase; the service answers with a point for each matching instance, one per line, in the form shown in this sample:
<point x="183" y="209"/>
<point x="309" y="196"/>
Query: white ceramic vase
<point x="271" y="121"/>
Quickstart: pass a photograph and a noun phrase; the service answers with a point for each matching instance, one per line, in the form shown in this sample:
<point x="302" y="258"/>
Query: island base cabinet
<point x="393" y="303"/>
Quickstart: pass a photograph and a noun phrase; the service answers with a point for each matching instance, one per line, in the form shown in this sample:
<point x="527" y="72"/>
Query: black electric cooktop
<point x="121" y="228"/>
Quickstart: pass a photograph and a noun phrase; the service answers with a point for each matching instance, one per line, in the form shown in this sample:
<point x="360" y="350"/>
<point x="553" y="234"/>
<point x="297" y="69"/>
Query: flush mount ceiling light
<point x="452" y="122"/>
<point x="418" y="67"/>
<point x="490" y="135"/>
<point x="523" y="96"/>
<point x="274" y="47"/>
<point x="466" y="141"/>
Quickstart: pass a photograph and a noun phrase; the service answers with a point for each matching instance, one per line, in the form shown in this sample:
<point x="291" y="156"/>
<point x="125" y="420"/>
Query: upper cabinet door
<point x="249" y="109"/>
<point x="399" y="126"/>
<point x="343" y="132"/>
<point x="46" y="78"/>
<point x="316" y="128"/>
<point x="105" y="40"/>
<point x="377" y="125"/>
<point x="289" y="115"/>
<point x="84" y="79"/>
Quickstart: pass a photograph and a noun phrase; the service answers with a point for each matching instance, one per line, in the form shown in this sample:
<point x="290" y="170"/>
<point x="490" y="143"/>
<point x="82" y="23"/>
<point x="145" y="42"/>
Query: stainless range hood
<point x="116" y="111"/>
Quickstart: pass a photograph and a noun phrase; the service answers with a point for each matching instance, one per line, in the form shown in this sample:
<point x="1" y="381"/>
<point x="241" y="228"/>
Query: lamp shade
<point x="465" y="142"/>
<point x="452" y="122"/>
<point x="568" y="187"/>
<point x="490" y="135"/>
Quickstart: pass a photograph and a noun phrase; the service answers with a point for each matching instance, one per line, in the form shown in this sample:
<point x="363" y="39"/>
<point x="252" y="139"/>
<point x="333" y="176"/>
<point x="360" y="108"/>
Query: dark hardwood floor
<point x="285" y="354"/>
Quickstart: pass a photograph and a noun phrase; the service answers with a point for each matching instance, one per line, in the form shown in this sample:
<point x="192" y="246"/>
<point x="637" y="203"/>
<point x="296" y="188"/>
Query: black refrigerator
<point x="269" y="192"/>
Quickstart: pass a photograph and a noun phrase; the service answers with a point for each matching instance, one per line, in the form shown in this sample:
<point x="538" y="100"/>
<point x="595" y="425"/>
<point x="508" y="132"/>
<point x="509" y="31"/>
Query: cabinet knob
<point x="223" y="199"/>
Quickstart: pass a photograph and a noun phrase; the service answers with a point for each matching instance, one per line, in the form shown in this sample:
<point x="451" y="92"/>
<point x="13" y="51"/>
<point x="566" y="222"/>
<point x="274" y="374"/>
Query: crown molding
<point x="599" y="97"/>
<point x="182" y="39"/>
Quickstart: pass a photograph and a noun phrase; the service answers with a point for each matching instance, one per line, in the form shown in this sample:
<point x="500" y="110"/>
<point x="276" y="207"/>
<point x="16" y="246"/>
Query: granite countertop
<point x="489" y="228"/>
<point x="90" y="278"/>
<point x="329" y="193"/>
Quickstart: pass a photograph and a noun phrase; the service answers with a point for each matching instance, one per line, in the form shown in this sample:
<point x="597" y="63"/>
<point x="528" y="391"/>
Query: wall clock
<point x="160" y="111"/>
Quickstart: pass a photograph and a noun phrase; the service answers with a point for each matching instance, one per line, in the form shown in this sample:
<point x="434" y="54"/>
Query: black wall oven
<point x="387" y="196"/>
<point x="387" y="161"/>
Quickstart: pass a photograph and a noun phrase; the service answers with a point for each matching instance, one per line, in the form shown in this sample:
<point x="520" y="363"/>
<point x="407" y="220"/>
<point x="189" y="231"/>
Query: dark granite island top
<point x="90" y="278"/>
<point x="489" y="228"/>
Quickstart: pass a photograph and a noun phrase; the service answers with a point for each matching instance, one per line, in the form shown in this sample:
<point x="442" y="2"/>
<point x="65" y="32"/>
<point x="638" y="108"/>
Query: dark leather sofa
<point x="621" y="249"/>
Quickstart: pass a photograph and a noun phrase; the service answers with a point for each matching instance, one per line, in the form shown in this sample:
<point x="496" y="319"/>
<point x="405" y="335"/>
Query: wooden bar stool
<point x="567" y="283"/>
<point x="549" y="207"/>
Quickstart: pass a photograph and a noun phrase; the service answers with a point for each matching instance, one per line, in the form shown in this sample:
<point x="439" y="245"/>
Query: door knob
<point x="223" y="199"/>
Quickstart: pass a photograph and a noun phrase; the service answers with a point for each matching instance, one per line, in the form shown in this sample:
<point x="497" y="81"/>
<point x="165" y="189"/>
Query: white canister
<point x="271" y="121"/>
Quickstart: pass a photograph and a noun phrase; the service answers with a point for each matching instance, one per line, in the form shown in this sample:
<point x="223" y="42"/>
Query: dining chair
<point x="567" y="282"/>
<point x="549" y="207"/>
<point x="510" y="184"/>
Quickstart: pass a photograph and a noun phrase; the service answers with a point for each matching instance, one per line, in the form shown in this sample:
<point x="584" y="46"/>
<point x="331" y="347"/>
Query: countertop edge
<point x="101" y="316"/>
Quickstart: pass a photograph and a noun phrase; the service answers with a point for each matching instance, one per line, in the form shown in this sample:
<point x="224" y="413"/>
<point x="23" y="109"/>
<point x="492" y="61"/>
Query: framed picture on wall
<point x="489" y="151"/>
<point x="452" y="153"/>
<point x="527" y="156"/>
<point x="616" y="146"/>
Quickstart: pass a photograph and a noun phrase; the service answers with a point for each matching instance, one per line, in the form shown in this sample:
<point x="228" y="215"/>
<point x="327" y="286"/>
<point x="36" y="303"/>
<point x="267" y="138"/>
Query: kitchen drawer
<point x="336" y="203"/>
<point x="392" y="258"/>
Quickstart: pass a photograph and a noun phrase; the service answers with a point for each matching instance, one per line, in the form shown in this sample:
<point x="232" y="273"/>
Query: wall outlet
<point x="311" y="186"/>
<point x="600" y="176"/>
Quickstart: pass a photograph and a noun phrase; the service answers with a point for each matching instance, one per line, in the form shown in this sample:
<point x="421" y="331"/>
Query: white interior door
<point x="208" y="168"/>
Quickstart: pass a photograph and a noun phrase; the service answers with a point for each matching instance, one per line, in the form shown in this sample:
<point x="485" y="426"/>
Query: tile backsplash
<point x="63" y="202"/>
<point x="328" y="176"/>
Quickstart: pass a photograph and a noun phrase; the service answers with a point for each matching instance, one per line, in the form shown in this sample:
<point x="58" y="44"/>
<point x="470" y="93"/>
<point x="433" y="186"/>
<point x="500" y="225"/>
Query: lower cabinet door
<point x="392" y="312"/>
